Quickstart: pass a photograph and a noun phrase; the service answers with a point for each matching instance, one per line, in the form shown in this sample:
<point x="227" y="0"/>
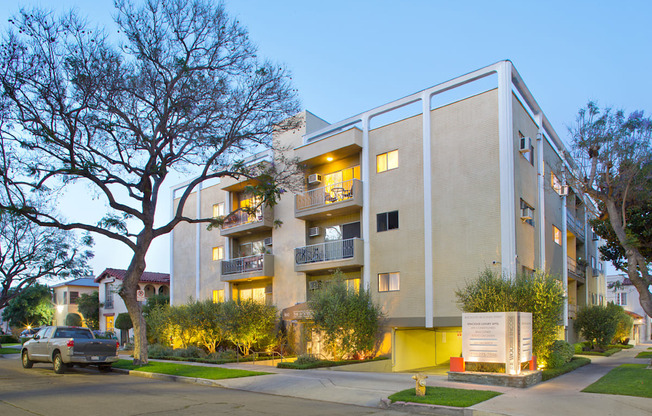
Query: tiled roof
<point x="120" y="274"/>
<point x="82" y="281"/>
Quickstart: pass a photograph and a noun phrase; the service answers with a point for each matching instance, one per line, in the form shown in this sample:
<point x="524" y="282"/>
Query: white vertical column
<point x="365" y="171"/>
<point x="564" y="250"/>
<point x="427" y="211"/>
<point x="227" y="248"/>
<point x="198" y="246"/>
<point x="172" y="192"/>
<point x="506" y="161"/>
<point x="541" y="175"/>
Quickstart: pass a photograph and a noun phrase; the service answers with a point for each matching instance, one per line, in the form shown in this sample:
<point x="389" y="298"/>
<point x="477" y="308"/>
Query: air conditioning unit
<point x="268" y="241"/>
<point x="314" y="231"/>
<point x="564" y="190"/>
<point x="525" y="144"/>
<point x="527" y="213"/>
<point x="313" y="179"/>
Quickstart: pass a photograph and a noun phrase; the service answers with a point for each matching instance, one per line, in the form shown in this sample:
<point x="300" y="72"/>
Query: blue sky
<point x="350" y="56"/>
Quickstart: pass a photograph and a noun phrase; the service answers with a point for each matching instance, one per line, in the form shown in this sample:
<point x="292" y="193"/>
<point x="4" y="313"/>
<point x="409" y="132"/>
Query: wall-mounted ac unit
<point x="564" y="190"/>
<point x="314" y="231"/>
<point x="268" y="241"/>
<point x="313" y="179"/>
<point x="527" y="213"/>
<point x="525" y="144"/>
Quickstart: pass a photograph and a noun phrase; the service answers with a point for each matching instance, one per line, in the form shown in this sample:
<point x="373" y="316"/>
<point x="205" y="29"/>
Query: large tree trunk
<point x="129" y="295"/>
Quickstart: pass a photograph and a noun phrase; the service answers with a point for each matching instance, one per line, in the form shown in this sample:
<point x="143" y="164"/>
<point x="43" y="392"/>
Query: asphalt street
<point x="81" y="392"/>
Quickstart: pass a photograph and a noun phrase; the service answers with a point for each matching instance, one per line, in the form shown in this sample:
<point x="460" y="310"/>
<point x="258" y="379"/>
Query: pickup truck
<point x="65" y="346"/>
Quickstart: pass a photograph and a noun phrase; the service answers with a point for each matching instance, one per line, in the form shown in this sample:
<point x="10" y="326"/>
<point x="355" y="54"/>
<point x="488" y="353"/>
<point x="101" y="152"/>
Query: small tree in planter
<point x="73" y="319"/>
<point x="124" y="324"/>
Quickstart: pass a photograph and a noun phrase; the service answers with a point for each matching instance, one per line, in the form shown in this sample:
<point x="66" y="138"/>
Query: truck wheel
<point x="57" y="363"/>
<point x="27" y="363"/>
<point x="105" y="368"/>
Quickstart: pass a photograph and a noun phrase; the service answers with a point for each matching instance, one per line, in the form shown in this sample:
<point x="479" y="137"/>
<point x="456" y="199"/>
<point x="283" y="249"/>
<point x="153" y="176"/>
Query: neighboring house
<point x="411" y="207"/>
<point x="65" y="295"/>
<point x="621" y="291"/>
<point x="110" y="282"/>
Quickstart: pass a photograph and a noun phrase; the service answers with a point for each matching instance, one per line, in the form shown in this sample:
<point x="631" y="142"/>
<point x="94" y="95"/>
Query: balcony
<point x="339" y="198"/>
<point x="572" y="309"/>
<point x="248" y="268"/>
<point x="240" y="223"/>
<point x="575" y="225"/>
<point x="339" y="145"/>
<point x="575" y="271"/>
<point x="339" y="254"/>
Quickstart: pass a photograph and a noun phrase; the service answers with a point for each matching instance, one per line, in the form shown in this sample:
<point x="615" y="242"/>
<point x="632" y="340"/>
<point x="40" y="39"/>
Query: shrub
<point x="574" y="364"/>
<point x="123" y="322"/>
<point x="540" y="293"/>
<point x="561" y="352"/>
<point x="348" y="317"/>
<point x="73" y="319"/>
<point x="189" y="352"/>
<point x="248" y="324"/>
<point x="624" y="324"/>
<point x="306" y="359"/>
<point x="597" y="324"/>
<point x="159" y="351"/>
<point x="8" y="339"/>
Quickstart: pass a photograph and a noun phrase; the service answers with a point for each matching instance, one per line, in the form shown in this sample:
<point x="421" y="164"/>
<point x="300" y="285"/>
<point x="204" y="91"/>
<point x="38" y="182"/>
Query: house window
<point x="108" y="296"/>
<point x="65" y="298"/>
<point x="387" y="161"/>
<point x="556" y="235"/>
<point x="256" y="294"/>
<point x="389" y="282"/>
<point x="218" y="253"/>
<point x="387" y="221"/>
<point x="621" y="299"/>
<point x="353" y="285"/>
<point x="73" y="297"/>
<point x="218" y="296"/>
<point x="593" y="265"/>
<point x="218" y="210"/>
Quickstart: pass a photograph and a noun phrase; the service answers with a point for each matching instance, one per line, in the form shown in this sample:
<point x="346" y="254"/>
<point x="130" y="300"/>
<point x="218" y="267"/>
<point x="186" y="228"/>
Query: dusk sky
<point x="350" y="56"/>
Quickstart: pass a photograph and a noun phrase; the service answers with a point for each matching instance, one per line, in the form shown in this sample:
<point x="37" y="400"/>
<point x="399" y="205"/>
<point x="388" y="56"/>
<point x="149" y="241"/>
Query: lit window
<point x="353" y="284"/>
<point x="387" y="161"/>
<point x="556" y="235"/>
<point x="256" y="294"/>
<point x="387" y="221"/>
<point x="218" y="210"/>
<point x="218" y="296"/>
<point x="218" y="253"/>
<point x="73" y="297"/>
<point x="388" y="282"/>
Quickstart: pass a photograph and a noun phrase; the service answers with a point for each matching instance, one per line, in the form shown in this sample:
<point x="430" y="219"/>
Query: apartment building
<point x="65" y="296"/>
<point x="411" y="199"/>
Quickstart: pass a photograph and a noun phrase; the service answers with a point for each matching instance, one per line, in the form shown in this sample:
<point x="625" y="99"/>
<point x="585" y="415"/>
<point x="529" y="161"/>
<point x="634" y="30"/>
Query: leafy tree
<point x="73" y="319"/>
<point x="597" y="324"/>
<point x="184" y="91"/>
<point x="158" y="324"/>
<point x="614" y="156"/>
<point x="539" y="293"/>
<point x="29" y="253"/>
<point x="123" y="322"/>
<point x="349" y="318"/>
<point x="624" y="324"/>
<point x="89" y="306"/>
<point x="155" y="301"/>
<point x="33" y="306"/>
<point x="208" y="320"/>
<point x="247" y="323"/>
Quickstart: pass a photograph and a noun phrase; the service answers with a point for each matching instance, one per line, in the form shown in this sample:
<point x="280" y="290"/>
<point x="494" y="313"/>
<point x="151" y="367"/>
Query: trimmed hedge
<point x="306" y="365"/>
<point x="607" y="353"/>
<point x="574" y="364"/>
<point x="8" y="339"/>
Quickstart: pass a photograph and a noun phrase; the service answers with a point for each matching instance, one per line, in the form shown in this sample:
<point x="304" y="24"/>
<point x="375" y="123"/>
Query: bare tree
<point x="183" y="91"/>
<point x="614" y="153"/>
<point x="31" y="254"/>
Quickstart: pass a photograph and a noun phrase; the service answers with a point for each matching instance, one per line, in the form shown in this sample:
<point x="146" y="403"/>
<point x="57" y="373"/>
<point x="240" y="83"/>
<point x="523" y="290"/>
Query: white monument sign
<point x="497" y="337"/>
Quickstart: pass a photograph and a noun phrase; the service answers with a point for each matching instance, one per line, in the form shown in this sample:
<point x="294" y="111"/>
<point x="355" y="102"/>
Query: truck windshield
<point x="73" y="333"/>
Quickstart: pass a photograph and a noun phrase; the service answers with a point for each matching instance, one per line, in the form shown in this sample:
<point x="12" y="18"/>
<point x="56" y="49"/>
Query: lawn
<point x="445" y="396"/>
<point x="9" y="351"/>
<point x="627" y="380"/>
<point x="184" y="370"/>
<point x="644" y="354"/>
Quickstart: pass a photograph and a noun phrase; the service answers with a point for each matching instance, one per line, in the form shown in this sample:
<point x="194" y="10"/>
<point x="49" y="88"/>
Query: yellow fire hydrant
<point x="421" y="384"/>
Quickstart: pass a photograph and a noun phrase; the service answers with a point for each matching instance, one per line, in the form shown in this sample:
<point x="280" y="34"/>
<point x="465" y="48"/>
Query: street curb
<point x="423" y="408"/>
<point x="168" y="377"/>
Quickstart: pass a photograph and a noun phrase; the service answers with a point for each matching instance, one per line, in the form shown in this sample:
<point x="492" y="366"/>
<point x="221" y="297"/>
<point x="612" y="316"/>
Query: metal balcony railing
<point x="337" y="192"/>
<point x="575" y="225"/>
<point x="240" y="217"/>
<point x="108" y="304"/>
<point x="243" y="264"/>
<point x="330" y="250"/>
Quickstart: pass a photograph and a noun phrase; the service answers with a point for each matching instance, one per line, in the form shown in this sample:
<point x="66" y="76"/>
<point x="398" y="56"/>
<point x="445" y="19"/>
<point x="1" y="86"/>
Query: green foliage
<point x="445" y="396"/>
<point x="184" y="370"/>
<point x="123" y="322"/>
<point x="157" y="319"/>
<point x="8" y="339"/>
<point x="574" y="364"/>
<point x="561" y="352"/>
<point x="208" y="327"/>
<point x="89" y="307"/>
<point x="31" y="307"/>
<point x="155" y="301"/>
<point x="597" y="324"/>
<point x="539" y="293"/>
<point x="348" y="318"/>
<point x="248" y="323"/>
<point x="624" y="324"/>
<point x="73" y="319"/>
